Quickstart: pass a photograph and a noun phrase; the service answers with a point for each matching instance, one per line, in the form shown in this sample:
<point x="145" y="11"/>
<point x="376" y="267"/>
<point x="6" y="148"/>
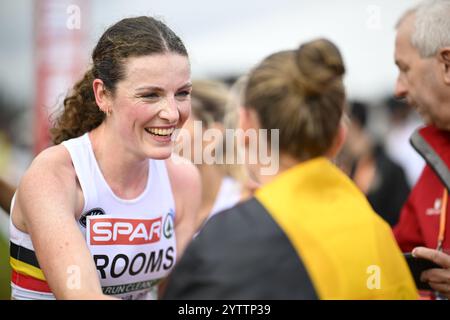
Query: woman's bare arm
<point x="186" y="186"/>
<point x="46" y="202"/>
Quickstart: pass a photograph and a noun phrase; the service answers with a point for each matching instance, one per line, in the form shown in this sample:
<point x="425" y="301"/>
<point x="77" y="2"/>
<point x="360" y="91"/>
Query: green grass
<point x="5" y="270"/>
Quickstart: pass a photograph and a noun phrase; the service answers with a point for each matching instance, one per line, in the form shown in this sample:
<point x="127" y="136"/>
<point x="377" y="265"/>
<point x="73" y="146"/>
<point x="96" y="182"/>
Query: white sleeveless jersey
<point x="132" y="242"/>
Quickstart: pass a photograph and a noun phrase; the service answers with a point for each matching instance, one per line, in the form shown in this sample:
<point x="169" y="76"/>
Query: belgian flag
<point x="309" y="234"/>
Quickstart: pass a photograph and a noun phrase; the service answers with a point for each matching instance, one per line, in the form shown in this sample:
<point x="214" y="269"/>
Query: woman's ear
<point x="102" y="97"/>
<point x="243" y="118"/>
<point x="248" y="120"/>
<point x="339" y="139"/>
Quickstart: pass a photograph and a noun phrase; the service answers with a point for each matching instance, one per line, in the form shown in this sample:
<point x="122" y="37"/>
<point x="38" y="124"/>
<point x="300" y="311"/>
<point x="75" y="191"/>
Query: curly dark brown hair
<point x="131" y="37"/>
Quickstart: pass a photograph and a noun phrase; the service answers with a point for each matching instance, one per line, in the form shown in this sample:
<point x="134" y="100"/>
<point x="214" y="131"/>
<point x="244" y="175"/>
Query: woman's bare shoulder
<point x="50" y="170"/>
<point x="52" y="159"/>
<point x="48" y="185"/>
<point x="183" y="174"/>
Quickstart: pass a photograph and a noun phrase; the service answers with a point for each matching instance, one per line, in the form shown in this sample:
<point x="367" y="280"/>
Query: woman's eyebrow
<point x="157" y="88"/>
<point x="150" y="87"/>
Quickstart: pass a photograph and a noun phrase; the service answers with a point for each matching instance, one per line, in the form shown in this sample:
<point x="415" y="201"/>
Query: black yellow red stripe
<point x="29" y="283"/>
<point x="241" y="254"/>
<point x="26" y="269"/>
<point x="24" y="262"/>
<point x="23" y="254"/>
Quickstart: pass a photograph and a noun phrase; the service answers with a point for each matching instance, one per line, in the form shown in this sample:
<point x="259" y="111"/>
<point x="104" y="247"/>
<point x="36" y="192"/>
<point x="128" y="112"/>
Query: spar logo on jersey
<point x="168" y="226"/>
<point x="120" y="231"/>
<point x="92" y="212"/>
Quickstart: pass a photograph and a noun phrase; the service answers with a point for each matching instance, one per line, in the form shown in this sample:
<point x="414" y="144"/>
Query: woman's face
<point x="151" y="102"/>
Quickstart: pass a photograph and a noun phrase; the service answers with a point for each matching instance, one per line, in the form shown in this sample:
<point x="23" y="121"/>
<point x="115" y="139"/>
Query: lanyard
<point x="442" y="220"/>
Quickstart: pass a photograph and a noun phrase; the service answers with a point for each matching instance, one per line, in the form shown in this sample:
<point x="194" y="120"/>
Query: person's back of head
<point x="301" y="93"/>
<point x="213" y="105"/>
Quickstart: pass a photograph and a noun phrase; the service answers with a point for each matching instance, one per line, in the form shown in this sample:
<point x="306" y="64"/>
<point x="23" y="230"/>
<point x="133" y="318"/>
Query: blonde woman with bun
<point x="308" y="232"/>
<point x="223" y="184"/>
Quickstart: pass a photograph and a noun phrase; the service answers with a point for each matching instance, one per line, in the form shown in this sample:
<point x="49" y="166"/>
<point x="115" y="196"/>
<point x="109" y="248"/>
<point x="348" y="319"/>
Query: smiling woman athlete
<point x="105" y="212"/>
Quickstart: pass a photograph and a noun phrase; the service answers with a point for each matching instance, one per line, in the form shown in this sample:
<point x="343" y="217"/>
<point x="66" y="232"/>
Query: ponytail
<point x="80" y="112"/>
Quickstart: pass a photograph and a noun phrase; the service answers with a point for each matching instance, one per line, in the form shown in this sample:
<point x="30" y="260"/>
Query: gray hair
<point x="432" y="26"/>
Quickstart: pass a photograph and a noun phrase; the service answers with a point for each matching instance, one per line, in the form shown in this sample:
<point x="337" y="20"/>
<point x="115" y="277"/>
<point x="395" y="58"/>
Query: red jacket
<point x="420" y="216"/>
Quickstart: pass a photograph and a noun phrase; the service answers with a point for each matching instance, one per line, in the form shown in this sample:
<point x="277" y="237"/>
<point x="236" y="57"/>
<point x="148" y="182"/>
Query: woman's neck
<point x="285" y="163"/>
<point x="125" y="174"/>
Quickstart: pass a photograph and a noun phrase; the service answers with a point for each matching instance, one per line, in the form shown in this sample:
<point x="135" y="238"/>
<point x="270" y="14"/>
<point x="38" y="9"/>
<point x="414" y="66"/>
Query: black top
<point x="241" y="254"/>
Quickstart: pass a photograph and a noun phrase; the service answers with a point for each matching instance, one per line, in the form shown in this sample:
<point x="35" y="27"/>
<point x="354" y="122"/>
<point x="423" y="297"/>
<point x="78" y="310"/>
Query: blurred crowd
<point x="331" y="217"/>
<point x="377" y="155"/>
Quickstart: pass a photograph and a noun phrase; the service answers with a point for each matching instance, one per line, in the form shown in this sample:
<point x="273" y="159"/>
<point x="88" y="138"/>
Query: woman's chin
<point x="160" y="153"/>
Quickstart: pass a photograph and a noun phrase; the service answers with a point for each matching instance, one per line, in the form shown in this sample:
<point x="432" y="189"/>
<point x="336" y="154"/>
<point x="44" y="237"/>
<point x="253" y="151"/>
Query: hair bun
<point x="320" y="65"/>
